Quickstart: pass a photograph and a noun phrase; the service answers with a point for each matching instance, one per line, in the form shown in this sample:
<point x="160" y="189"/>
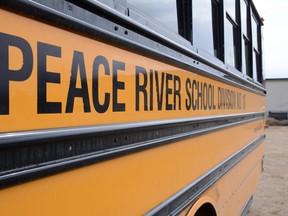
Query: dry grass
<point x="274" y="122"/>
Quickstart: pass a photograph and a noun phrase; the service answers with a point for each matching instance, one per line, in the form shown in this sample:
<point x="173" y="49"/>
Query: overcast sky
<point x="275" y="14"/>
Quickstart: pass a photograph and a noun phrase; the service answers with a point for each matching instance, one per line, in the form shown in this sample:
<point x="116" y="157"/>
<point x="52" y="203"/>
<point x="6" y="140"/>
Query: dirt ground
<point x="271" y="197"/>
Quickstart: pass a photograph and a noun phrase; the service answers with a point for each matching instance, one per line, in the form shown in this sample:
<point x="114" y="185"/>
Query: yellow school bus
<point x="130" y="107"/>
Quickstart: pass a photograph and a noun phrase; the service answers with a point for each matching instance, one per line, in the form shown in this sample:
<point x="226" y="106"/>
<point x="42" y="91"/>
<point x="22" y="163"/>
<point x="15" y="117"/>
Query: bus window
<point x="165" y="12"/>
<point x="185" y="18"/>
<point x="256" y="50"/>
<point x="202" y="25"/>
<point x="206" y="26"/>
<point x="218" y="39"/>
<point x="231" y="34"/>
<point x="230" y="47"/>
<point x="255" y="33"/>
<point x="246" y="57"/>
<point x="246" y="39"/>
<point x="244" y="17"/>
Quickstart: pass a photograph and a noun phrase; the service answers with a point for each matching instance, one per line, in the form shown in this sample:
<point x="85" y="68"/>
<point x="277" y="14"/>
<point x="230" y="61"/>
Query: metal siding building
<point x="277" y="95"/>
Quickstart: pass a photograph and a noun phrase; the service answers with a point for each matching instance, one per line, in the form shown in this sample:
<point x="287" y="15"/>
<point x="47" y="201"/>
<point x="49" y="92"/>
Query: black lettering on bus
<point x="194" y="91"/>
<point x="188" y="101"/>
<point x="99" y="61"/>
<point x="239" y="100"/>
<point x="117" y="85"/>
<point x="159" y="89"/>
<point x="219" y="98"/>
<point x="168" y="91"/>
<point x="200" y="95"/>
<point x="78" y="64"/>
<point x="141" y="88"/>
<point x="45" y="77"/>
<point x="211" y="95"/>
<point x="177" y="92"/>
<point x="205" y="96"/>
<point x="7" y="74"/>
<point x="151" y="89"/>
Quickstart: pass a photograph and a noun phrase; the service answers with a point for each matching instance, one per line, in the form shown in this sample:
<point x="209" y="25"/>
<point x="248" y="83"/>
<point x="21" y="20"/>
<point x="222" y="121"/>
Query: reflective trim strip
<point x="246" y="207"/>
<point x="188" y="195"/>
<point x="24" y="136"/>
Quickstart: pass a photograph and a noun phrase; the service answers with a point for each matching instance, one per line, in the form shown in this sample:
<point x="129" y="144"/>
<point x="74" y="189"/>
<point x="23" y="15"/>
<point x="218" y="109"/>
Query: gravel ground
<point x="271" y="197"/>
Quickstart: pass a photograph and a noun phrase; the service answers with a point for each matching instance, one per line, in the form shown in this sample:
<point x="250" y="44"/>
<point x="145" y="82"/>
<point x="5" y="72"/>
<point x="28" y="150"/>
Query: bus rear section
<point x="120" y="108"/>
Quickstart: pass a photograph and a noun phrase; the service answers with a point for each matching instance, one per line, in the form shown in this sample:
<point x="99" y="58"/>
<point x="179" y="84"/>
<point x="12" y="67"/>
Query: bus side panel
<point x="58" y="79"/>
<point x="133" y="184"/>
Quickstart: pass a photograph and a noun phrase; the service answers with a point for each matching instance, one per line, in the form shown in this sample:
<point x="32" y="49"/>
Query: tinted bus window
<point x="232" y="42"/>
<point x="202" y="25"/>
<point x="246" y="57"/>
<point x="230" y="48"/>
<point x="255" y="34"/>
<point x="257" y="69"/>
<point x="165" y="12"/>
<point x="244" y="17"/>
<point x="207" y="26"/>
<point x="246" y="39"/>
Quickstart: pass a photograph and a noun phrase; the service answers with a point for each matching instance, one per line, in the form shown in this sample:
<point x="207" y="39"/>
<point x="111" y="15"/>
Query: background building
<point x="277" y="98"/>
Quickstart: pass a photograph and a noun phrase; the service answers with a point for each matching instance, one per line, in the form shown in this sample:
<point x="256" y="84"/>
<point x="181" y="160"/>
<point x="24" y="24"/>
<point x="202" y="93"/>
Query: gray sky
<point x="275" y="35"/>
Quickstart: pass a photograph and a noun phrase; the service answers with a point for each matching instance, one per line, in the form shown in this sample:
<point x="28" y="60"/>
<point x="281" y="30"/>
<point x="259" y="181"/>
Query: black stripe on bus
<point x="34" y="154"/>
<point x="189" y="195"/>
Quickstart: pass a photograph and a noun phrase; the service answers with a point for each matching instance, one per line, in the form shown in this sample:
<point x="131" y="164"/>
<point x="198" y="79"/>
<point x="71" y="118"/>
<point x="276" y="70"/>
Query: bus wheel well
<point x="206" y="209"/>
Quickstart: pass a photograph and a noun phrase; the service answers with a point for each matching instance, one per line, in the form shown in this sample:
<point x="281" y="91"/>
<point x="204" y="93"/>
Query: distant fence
<point x="278" y="115"/>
